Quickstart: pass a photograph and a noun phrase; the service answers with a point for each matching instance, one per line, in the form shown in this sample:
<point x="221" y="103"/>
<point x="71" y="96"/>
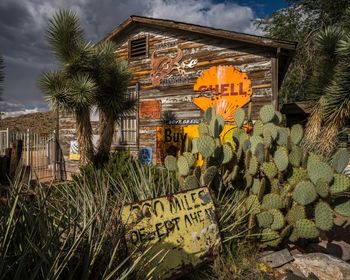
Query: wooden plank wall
<point x="176" y="100"/>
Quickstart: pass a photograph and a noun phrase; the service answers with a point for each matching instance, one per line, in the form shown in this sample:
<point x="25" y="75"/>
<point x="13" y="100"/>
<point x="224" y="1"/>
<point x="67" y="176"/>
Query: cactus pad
<point x="170" y="163"/>
<point x="252" y="204"/>
<point x="190" y="158"/>
<point x="270" y="169"/>
<point x="209" y="114"/>
<point x="272" y="201"/>
<point x="317" y="170"/>
<point x="264" y="219"/>
<point x="273" y="130"/>
<point x="304" y="193"/>
<point x="203" y="129"/>
<point x="260" y="153"/>
<point x="296" y="213"/>
<point x="258" y="128"/>
<point x="294" y="236"/>
<point x="267" y="113"/>
<point x="298" y="175"/>
<point x="183" y="166"/>
<point x="278" y="219"/>
<point x="306" y="229"/>
<point x="342" y="206"/>
<point x="296" y="133"/>
<point x="254" y="141"/>
<point x="340" y="160"/>
<point x="253" y="165"/>
<point x="208" y="175"/>
<point x="282" y="136"/>
<point x="281" y="158"/>
<point x="322" y="187"/>
<point x="323" y="216"/>
<point x="341" y="184"/>
<point x="206" y="145"/>
<point x="270" y="237"/>
<point x="191" y="182"/>
<point x="194" y="146"/>
<point x="239" y="117"/>
<point x="227" y="152"/>
<point x="216" y="125"/>
<point x="296" y="156"/>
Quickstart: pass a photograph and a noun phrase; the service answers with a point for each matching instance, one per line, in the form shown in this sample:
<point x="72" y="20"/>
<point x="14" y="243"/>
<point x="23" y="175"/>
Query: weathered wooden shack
<point x="178" y="70"/>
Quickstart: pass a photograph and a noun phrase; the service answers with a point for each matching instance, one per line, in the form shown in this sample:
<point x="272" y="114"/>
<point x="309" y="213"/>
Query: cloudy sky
<point x="26" y="52"/>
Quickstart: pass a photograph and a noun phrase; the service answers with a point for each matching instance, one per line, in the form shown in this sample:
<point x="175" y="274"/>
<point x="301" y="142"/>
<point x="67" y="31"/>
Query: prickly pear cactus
<point x="289" y="193"/>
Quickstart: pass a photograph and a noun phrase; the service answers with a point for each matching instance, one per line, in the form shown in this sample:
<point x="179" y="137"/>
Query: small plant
<point x="289" y="193"/>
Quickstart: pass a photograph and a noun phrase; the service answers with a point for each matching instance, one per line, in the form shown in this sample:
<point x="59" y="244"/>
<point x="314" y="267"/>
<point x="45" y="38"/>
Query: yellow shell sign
<point x="225" y="88"/>
<point x="179" y="230"/>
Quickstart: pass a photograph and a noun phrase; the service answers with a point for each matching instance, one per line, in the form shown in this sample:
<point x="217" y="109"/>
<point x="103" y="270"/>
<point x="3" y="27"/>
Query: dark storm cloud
<point x="24" y="22"/>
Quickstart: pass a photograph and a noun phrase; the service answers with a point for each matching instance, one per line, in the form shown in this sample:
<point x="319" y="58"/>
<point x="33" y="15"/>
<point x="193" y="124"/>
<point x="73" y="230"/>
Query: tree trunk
<point x="84" y="135"/>
<point x="106" y="132"/>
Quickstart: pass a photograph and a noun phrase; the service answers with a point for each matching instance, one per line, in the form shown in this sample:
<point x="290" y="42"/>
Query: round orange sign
<point x="225" y="88"/>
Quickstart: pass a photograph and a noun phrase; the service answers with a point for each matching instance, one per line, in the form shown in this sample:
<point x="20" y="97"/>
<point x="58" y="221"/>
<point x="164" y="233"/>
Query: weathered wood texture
<point x="176" y="100"/>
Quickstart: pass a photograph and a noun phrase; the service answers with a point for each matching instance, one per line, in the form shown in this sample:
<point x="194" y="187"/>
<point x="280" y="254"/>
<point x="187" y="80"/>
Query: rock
<point x="322" y="266"/>
<point x="276" y="259"/>
<point x="339" y="249"/>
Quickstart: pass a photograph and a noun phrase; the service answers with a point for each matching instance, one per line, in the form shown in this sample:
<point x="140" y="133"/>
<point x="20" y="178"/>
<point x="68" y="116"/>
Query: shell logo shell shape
<point x="223" y="87"/>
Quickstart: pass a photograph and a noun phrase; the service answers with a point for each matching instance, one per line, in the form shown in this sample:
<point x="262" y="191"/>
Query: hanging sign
<point x="180" y="229"/>
<point x="225" y="88"/>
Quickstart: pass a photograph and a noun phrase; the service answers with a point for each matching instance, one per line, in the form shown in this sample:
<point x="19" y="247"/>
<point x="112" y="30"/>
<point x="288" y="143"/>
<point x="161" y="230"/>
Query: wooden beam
<point x="274" y="71"/>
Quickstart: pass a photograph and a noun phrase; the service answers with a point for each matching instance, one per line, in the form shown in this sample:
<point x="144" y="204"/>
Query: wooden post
<point x="16" y="154"/>
<point x="274" y="72"/>
<point x="54" y="155"/>
<point x="28" y="148"/>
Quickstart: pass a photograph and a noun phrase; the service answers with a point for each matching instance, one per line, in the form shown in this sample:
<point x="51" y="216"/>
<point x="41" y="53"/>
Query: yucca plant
<point x="63" y="231"/>
<point x="329" y="87"/>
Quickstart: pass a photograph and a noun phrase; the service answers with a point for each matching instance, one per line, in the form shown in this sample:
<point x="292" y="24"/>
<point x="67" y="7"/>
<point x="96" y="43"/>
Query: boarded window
<point x="138" y="48"/>
<point x="126" y="130"/>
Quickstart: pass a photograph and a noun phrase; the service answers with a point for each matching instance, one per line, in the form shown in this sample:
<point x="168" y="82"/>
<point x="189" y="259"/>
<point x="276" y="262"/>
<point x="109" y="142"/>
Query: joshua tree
<point x="71" y="88"/>
<point x="112" y="77"/>
<point x="88" y="76"/>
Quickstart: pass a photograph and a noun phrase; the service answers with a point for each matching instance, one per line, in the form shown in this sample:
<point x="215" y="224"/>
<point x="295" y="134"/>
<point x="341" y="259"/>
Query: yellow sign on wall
<point x="174" y="138"/>
<point x="181" y="228"/>
<point x="224" y="88"/>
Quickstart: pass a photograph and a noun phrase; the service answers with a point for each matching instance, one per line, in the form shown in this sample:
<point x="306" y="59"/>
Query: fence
<point x="41" y="152"/>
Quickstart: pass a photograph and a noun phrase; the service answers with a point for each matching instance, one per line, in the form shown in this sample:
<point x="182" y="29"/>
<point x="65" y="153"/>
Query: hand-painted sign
<point x="145" y="155"/>
<point x="74" y="150"/>
<point x="225" y="88"/>
<point x="150" y="109"/>
<point x="174" y="138"/>
<point x="181" y="228"/>
<point x="163" y="65"/>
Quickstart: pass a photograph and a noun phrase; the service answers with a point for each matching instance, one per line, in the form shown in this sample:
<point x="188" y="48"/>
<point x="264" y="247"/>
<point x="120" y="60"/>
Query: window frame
<point x="120" y="131"/>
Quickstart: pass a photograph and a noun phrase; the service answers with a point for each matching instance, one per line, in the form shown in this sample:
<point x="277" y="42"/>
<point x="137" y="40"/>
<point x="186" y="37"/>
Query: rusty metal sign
<point x="224" y="88"/>
<point x="179" y="230"/>
<point x="150" y="109"/>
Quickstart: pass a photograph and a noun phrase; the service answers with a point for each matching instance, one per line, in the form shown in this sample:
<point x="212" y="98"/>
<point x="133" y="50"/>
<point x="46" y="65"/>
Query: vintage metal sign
<point x="74" y="150"/>
<point x="163" y="65"/>
<point x="180" y="229"/>
<point x="225" y="88"/>
<point x="150" y="109"/>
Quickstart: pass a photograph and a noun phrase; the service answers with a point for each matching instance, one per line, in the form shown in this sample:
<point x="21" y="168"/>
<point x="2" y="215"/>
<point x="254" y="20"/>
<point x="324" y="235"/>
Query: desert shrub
<point x="63" y="231"/>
